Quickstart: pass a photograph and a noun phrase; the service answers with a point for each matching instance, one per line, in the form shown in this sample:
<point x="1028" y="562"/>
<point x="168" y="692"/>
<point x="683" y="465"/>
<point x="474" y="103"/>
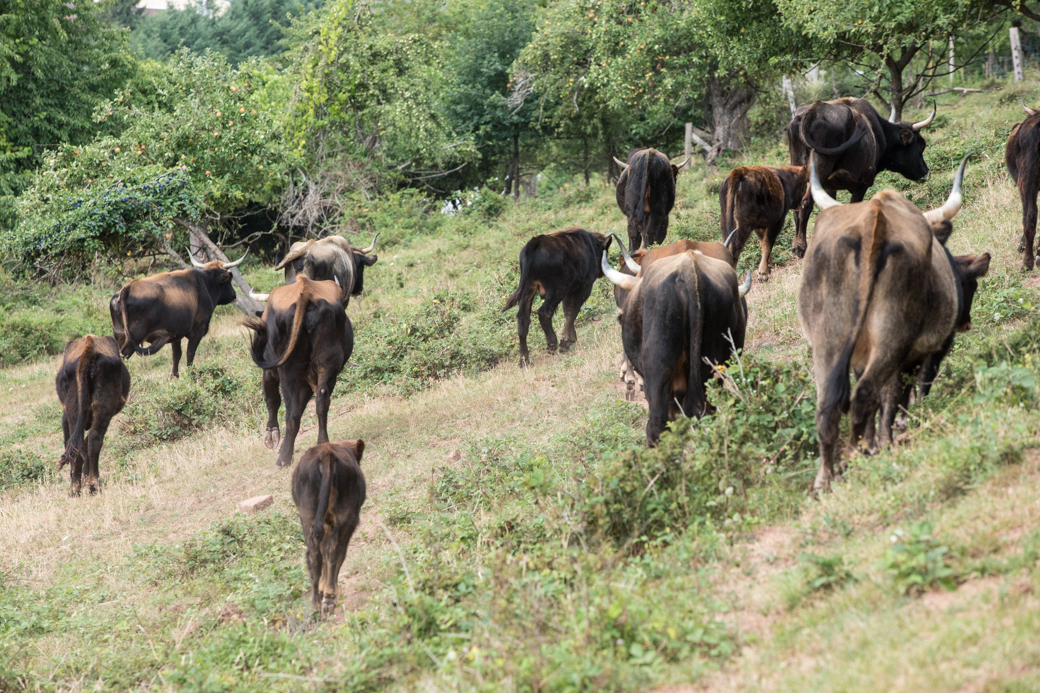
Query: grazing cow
<point x="631" y="264"/>
<point x="305" y="335"/>
<point x="1022" y="157"/>
<point x="853" y="144"/>
<point x="680" y="310"/>
<point x="881" y="294"/>
<point x="329" y="259"/>
<point x="559" y="266"/>
<point x="93" y="384"/>
<point x="645" y="193"/>
<point x="758" y="198"/>
<point x="329" y="490"/>
<point x="170" y="306"/>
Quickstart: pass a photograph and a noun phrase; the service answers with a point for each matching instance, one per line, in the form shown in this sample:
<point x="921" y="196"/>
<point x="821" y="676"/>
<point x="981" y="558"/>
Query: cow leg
<point x="523" y="325"/>
<point x="315" y="566"/>
<point x="802" y="224"/>
<point x="322" y="401"/>
<point x="193" y="344"/>
<point x="828" y="418"/>
<point x="866" y="397"/>
<point x="1029" y="228"/>
<point x="895" y="397"/>
<point x="95" y="439"/>
<point x="295" y="403"/>
<point x="635" y="235"/>
<point x="571" y="307"/>
<point x="337" y="551"/>
<point x="175" y="344"/>
<point x="856" y="195"/>
<point x="76" y="474"/>
<point x="545" y="317"/>
<point x="273" y="399"/>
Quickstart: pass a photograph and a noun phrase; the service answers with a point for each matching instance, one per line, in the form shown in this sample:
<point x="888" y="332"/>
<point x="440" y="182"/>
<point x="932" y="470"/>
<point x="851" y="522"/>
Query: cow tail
<point x="638" y="179"/>
<point x="325" y="469"/>
<point x="730" y="214"/>
<point x="297" y="325"/>
<point x="525" y="268"/>
<point x="695" y="394"/>
<point x="75" y="444"/>
<point x="838" y="389"/>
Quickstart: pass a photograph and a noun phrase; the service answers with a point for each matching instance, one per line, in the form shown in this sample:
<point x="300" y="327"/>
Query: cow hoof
<point x="524" y="361"/>
<point x="630" y="395"/>
<point x="271" y="438"/>
<point x="1022" y="246"/>
<point x="799" y="251"/>
<point x="762" y="277"/>
<point x="328" y="608"/>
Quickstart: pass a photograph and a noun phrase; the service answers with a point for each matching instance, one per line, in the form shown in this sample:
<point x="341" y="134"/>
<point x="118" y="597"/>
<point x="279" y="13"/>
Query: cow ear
<point x="974" y="267"/>
<point x="606" y="241"/>
<point x="675" y="171"/>
<point x="942" y="230"/>
<point x="359" y="449"/>
<point x="906" y="136"/>
<point x="225" y="278"/>
<point x="368" y="260"/>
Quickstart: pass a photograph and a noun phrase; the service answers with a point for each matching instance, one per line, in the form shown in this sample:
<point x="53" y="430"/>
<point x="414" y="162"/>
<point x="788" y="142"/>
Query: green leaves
<point x="917" y="562"/>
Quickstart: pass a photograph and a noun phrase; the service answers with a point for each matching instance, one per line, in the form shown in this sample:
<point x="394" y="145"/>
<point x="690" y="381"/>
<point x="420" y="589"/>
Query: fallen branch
<point x="962" y="90"/>
<point x="245" y="303"/>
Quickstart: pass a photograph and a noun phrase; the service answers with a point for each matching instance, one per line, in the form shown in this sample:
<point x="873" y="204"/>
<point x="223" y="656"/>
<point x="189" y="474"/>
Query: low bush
<point x="40" y="322"/>
<point x="21" y="467"/>
<point x="917" y="562"/>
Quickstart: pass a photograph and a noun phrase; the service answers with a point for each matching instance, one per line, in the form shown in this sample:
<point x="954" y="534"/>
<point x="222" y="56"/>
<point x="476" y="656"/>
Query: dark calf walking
<point x="93" y="384"/>
<point x="560" y="267"/>
<point x="758" y="198"/>
<point x="329" y="490"/>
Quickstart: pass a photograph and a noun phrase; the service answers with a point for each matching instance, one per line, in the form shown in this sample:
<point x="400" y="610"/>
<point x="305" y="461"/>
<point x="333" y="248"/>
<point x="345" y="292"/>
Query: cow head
<point x="968" y="269"/>
<point x="218" y="278"/>
<point x="905" y="152"/>
<point x="362" y="259"/>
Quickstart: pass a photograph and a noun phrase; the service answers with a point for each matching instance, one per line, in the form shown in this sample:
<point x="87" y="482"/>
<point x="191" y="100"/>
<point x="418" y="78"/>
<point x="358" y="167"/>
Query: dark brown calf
<point x="758" y="198"/>
<point x="93" y="384"/>
<point x="329" y="490"/>
<point x="1022" y="157"/>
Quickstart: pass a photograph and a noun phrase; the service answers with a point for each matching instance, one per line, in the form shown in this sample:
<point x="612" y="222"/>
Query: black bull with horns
<point x="646" y="194"/>
<point x="852" y="144"/>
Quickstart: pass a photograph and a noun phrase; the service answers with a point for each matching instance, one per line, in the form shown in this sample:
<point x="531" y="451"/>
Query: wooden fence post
<point x="688" y="145"/>
<point x="1016" y="54"/>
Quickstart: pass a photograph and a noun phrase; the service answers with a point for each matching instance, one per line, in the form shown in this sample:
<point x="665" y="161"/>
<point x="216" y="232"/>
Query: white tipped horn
<point x="953" y="204"/>
<point x="926" y="122"/>
<point x="229" y="265"/>
<point x="683" y="164"/>
<point x="892" y="113"/>
<point x="623" y="280"/>
<point x="372" y="246"/>
<point x="819" y="195"/>
<point x="620" y="163"/>
<point x="730" y="237"/>
<point x="746" y="286"/>
<point x="1029" y="111"/>
<point x="194" y="262"/>
<point x="259" y="297"/>
<point x="631" y="264"/>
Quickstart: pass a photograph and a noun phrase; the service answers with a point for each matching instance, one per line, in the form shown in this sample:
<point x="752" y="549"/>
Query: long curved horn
<point x="229" y="265"/>
<point x="259" y="297"/>
<point x="623" y="280"/>
<point x="1029" y="111"/>
<point x="892" y="113"/>
<point x="730" y="237"/>
<point x="194" y="262"/>
<point x="620" y="163"/>
<point x="683" y="164"/>
<point x="819" y="195"/>
<point x="746" y="286"/>
<point x="371" y="247"/>
<point x="953" y="204"/>
<point x="631" y="264"/>
<point x="926" y="122"/>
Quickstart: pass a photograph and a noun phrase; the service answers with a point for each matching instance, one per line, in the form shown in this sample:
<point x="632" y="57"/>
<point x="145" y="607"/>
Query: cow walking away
<point x="681" y="310"/>
<point x="852" y="144"/>
<point x="757" y="198"/>
<point x="1022" y="156"/>
<point x="168" y="307"/>
<point x="93" y="384"/>
<point x="329" y="490"/>
<point x="329" y="259"/>
<point x="645" y="193"/>
<point x="882" y="295"/>
<point x="304" y="335"/>
<point x="560" y="267"/>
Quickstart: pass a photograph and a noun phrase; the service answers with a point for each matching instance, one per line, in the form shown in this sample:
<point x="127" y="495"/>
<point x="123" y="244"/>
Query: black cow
<point x="882" y="295"/>
<point x="1022" y="157"/>
<point x="170" y="306"/>
<point x="306" y="335"/>
<point x="757" y="198"/>
<point x="681" y="310"/>
<point x="560" y="267"/>
<point x="645" y="193"/>
<point x="93" y="384"/>
<point x="853" y="144"/>
<point x="329" y="490"/>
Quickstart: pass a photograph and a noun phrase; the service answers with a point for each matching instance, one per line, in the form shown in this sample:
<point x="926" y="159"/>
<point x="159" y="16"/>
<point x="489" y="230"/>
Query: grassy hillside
<point x="556" y="552"/>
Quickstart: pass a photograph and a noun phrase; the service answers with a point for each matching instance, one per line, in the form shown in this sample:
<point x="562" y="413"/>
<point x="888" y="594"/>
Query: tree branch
<point x="245" y="303"/>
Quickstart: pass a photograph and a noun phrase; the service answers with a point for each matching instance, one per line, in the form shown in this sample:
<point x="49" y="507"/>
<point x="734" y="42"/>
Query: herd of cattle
<point x="880" y="294"/>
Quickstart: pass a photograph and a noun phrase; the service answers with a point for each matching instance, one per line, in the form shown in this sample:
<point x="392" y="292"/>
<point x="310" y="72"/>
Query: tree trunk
<point x="245" y="302"/>
<point x="585" y="168"/>
<point x="516" y="164"/>
<point x="895" y="75"/>
<point x="730" y="102"/>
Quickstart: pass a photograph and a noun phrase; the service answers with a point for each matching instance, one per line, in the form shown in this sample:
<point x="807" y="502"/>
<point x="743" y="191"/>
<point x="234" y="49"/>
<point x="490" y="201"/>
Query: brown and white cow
<point x="882" y="295"/>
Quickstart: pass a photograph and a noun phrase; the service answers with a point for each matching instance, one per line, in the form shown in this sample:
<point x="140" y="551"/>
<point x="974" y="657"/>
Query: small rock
<point x="254" y="504"/>
<point x="454" y="456"/>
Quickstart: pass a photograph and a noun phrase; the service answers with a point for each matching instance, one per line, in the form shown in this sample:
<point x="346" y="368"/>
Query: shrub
<point x="824" y="573"/>
<point x="917" y="562"/>
<point x="21" y="466"/>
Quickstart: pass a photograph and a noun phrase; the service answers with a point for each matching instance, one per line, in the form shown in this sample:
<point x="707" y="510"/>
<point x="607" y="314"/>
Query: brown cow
<point x="170" y="306"/>
<point x="881" y="294"/>
<point x="758" y="198"/>
<point x="1022" y="156"/>
<point x="305" y="334"/>
<point x="560" y="267"/>
<point x="329" y="490"/>
<point x="93" y="384"/>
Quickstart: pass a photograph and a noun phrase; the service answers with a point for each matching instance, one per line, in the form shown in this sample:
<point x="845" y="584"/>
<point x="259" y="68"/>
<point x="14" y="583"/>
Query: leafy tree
<point x="198" y="143"/>
<point x="57" y="63"/>
<point x="884" y="36"/>
<point x="120" y="13"/>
